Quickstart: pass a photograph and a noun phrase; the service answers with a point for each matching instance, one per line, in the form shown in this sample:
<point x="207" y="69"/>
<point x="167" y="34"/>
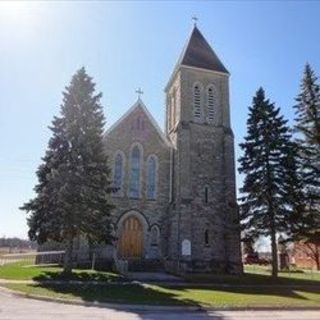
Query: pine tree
<point x="307" y="129"/>
<point x="73" y="189"/>
<point x="44" y="222"/>
<point x="269" y="166"/>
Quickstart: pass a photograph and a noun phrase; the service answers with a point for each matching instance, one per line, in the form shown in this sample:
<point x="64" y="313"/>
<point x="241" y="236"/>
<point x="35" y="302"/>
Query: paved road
<point x="17" y="308"/>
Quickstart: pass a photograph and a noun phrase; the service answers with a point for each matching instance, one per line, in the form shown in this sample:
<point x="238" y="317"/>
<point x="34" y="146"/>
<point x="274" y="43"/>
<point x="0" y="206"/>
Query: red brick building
<point x="306" y="255"/>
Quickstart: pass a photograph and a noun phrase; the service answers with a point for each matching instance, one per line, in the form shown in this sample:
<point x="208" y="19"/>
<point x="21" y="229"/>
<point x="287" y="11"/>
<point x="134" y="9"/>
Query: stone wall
<point x="204" y="208"/>
<point x="152" y="212"/>
<point x="195" y="208"/>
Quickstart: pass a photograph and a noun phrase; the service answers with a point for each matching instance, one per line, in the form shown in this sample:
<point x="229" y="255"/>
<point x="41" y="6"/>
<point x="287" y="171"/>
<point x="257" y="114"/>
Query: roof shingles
<point x="199" y="54"/>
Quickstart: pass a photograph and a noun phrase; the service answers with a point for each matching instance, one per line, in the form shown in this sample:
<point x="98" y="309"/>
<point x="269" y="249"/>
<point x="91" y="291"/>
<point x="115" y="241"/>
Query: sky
<point x="126" y="45"/>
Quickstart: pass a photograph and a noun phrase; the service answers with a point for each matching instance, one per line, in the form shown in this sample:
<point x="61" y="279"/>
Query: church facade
<point x="175" y="204"/>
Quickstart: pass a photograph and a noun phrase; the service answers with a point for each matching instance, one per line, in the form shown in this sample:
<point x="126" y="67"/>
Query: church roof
<point x="198" y="53"/>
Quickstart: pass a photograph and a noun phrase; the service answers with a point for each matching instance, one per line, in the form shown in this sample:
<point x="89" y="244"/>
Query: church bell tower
<point x="204" y="233"/>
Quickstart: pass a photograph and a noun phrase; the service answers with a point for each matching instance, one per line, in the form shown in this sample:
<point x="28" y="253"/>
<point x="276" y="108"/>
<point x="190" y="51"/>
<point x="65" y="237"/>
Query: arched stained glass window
<point x="211" y="103"/>
<point x="197" y="101"/>
<point x="151" y="177"/>
<point x="134" y="183"/>
<point x="118" y="173"/>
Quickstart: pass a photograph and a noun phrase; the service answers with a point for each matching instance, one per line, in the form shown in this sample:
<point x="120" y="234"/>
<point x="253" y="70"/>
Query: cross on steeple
<point x="195" y="20"/>
<point x="139" y="92"/>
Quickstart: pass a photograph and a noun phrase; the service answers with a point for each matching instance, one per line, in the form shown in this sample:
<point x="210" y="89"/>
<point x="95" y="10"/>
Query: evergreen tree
<point x="73" y="181"/>
<point x="307" y="129"/>
<point x="270" y="192"/>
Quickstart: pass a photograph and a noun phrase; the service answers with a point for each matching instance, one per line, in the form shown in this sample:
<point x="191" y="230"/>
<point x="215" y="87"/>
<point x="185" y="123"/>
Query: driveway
<point x="17" y="308"/>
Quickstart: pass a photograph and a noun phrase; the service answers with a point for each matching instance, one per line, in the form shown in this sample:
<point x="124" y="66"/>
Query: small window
<point x="138" y="123"/>
<point x="155" y="235"/>
<point x="206" y="194"/>
<point x="206" y="237"/>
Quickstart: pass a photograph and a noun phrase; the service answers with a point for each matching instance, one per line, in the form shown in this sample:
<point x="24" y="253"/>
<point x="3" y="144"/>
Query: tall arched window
<point x="211" y="103"/>
<point x="197" y="102"/>
<point x="118" y="173"/>
<point x="151" y="177"/>
<point x="134" y="182"/>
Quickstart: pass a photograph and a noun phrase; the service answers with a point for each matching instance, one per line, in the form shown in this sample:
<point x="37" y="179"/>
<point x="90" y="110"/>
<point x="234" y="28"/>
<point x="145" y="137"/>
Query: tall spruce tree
<point x="307" y="129"/>
<point x="270" y="190"/>
<point x="73" y="181"/>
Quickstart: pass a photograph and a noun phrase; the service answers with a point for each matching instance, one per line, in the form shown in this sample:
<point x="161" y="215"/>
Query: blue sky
<point x="126" y="45"/>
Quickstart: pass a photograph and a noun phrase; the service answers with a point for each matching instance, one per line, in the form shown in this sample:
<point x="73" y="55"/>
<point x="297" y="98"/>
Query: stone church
<point x="175" y="205"/>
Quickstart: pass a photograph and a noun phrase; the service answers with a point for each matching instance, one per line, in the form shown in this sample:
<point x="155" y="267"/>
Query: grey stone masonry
<point x="175" y="204"/>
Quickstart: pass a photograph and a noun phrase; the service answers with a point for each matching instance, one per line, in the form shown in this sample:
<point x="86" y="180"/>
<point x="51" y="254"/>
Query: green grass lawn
<point x="254" y="275"/>
<point x="21" y="271"/>
<point x="161" y="295"/>
<point x="254" y="288"/>
<point x="259" y="275"/>
<point x="303" y="274"/>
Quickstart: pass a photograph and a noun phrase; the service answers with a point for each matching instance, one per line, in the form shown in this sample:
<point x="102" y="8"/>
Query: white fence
<point x="84" y="258"/>
<point x="32" y="258"/>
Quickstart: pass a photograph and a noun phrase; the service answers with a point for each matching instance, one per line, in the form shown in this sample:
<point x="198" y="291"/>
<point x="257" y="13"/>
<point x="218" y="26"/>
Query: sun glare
<point x="17" y="12"/>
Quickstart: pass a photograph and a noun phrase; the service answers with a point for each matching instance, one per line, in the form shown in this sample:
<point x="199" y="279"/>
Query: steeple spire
<point x="198" y="53"/>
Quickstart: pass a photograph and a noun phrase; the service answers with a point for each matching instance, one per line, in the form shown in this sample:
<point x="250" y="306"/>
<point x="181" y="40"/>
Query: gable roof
<point x="139" y="104"/>
<point x="198" y="53"/>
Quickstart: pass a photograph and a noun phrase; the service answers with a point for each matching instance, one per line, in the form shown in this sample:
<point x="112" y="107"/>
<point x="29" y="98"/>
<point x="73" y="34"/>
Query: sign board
<point x="186" y="247"/>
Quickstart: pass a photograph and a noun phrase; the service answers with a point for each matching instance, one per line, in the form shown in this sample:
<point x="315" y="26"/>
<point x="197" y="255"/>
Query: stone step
<point x="145" y="265"/>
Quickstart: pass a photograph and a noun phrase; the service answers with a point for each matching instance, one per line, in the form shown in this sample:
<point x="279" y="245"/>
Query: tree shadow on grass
<point x="79" y="276"/>
<point x="250" y="279"/>
<point x="185" y="296"/>
<point x="259" y="290"/>
<point x="120" y="296"/>
<point x="258" y="285"/>
<point x="256" y="291"/>
<point x="119" y="293"/>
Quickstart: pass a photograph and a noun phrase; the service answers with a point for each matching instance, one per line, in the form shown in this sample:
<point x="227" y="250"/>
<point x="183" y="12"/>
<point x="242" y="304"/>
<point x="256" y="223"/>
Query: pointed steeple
<point x="198" y="53"/>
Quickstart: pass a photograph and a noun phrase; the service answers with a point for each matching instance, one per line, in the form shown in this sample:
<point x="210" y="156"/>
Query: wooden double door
<point x="130" y="243"/>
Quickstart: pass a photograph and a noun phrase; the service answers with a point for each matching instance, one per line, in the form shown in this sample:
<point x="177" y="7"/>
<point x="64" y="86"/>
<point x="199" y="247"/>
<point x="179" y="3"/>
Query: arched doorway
<point x="131" y="238"/>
